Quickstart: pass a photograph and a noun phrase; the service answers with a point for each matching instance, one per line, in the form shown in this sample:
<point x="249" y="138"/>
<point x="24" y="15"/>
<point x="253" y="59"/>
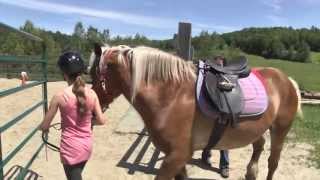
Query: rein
<point x="45" y="138"/>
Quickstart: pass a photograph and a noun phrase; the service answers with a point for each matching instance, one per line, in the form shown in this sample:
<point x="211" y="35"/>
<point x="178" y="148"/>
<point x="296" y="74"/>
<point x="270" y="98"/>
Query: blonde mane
<point x="150" y="65"/>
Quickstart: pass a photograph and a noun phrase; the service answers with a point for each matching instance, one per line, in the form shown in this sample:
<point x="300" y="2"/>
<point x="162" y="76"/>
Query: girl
<point x="77" y="104"/>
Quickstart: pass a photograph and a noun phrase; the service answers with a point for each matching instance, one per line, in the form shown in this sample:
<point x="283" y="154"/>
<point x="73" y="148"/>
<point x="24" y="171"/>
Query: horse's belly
<point x="246" y="133"/>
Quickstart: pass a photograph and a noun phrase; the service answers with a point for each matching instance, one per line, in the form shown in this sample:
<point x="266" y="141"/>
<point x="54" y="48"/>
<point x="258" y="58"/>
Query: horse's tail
<point x="296" y="87"/>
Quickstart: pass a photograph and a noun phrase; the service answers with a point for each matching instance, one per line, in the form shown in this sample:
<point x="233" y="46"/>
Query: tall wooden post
<point x="184" y="41"/>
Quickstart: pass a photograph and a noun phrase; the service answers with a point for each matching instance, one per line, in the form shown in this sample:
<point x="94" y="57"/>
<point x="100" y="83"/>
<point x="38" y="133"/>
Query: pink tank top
<point x="76" y="136"/>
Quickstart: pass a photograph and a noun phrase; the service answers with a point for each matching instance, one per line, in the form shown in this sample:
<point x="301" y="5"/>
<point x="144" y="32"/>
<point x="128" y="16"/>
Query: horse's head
<point x="104" y="71"/>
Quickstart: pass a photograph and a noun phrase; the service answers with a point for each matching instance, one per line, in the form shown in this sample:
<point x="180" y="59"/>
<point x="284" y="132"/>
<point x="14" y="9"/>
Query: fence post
<point x="45" y="76"/>
<point x="184" y="41"/>
<point x="1" y="158"/>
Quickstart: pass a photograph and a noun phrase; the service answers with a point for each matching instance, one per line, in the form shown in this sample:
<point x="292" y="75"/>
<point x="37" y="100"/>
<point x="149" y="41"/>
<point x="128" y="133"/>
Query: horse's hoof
<point x="206" y="162"/>
<point x="224" y="172"/>
<point x="180" y="177"/>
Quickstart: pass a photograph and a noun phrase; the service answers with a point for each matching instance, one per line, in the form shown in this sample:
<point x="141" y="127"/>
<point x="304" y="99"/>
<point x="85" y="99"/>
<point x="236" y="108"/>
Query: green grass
<point x="315" y="57"/>
<point x="308" y="130"/>
<point x="306" y="74"/>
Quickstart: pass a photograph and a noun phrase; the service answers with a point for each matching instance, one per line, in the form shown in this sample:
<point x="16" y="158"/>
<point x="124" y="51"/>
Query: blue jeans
<point x="224" y="158"/>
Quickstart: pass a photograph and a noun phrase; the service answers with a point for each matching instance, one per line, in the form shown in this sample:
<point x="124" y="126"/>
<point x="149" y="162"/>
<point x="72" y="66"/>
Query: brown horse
<point x="161" y="87"/>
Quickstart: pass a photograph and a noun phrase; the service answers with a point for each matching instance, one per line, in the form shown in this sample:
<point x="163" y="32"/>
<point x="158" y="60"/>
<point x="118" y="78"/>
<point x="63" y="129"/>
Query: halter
<point x="103" y="78"/>
<point x="102" y="81"/>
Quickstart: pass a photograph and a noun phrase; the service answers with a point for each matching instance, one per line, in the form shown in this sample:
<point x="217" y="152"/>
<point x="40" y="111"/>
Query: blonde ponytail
<point x="79" y="91"/>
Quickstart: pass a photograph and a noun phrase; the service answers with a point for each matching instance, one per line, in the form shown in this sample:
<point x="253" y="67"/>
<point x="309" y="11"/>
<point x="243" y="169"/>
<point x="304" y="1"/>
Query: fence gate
<point x="6" y="61"/>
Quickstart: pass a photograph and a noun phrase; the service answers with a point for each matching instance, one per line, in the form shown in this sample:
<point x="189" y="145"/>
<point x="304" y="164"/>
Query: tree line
<point x="277" y="42"/>
<point x="81" y="40"/>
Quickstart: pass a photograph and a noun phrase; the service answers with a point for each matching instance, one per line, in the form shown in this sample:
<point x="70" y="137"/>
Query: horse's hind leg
<point x="252" y="168"/>
<point x="278" y="135"/>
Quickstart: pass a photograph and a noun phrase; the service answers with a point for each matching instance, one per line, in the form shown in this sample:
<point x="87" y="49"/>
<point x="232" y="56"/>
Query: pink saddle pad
<point x="253" y="89"/>
<point x="254" y="94"/>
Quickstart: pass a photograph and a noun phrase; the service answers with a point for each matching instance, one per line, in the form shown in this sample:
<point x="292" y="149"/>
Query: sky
<point x="159" y="19"/>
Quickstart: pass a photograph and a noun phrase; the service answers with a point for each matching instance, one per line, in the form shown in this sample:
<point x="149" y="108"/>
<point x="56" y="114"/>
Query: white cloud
<point x="127" y="18"/>
<point x="275" y="5"/>
<point x="276" y="17"/>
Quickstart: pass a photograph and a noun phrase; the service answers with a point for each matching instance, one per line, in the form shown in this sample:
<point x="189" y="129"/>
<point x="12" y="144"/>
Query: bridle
<point x="102" y="83"/>
<point x="102" y="78"/>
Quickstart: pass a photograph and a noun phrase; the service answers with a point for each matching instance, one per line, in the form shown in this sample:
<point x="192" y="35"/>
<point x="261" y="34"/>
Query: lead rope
<point x="46" y="149"/>
<point x="47" y="143"/>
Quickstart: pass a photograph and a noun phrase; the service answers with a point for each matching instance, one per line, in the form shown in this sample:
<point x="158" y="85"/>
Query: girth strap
<point x="216" y="133"/>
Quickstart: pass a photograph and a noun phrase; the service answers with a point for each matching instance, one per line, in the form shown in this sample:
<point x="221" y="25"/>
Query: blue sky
<point x="159" y="19"/>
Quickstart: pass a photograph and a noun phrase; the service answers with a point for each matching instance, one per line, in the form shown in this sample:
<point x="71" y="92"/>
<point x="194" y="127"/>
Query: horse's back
<point x="282" y="108"/>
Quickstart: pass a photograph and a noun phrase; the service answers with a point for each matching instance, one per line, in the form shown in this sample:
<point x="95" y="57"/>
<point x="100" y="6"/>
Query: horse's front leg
<point x="173" y="165"/>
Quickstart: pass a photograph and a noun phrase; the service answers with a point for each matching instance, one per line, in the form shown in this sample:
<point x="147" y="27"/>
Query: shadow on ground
<point x="139" y="148"/>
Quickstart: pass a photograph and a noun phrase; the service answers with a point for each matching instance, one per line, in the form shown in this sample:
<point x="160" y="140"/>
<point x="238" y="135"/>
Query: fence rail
<point x="24" y="60"/>
<point x="25" y="34"/>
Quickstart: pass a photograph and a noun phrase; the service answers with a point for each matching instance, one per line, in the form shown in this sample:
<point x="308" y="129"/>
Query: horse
<point x="161" y="87"/>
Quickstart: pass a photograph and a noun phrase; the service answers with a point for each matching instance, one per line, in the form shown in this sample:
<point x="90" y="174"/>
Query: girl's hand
<point x="53" y="108"/>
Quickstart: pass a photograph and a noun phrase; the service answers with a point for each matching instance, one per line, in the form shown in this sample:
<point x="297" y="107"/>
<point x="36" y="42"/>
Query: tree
<point x="291" y="53"/>
<point x="106" y="35"/>
<point x="93" y="34"/>
<point x="28" y="27"/>
<point x="303" y="54"/>
<point x="79" y="31"/>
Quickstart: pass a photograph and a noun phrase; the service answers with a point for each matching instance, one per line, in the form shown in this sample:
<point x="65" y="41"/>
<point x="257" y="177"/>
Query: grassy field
<point x="306" y="74"/>
<point x="308" y="130"/>
<point x="315" y="57"/>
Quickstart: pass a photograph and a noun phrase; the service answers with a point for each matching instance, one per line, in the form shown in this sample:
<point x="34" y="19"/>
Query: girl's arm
<point x="99" y="118"/>
<point x="50" y="114"/>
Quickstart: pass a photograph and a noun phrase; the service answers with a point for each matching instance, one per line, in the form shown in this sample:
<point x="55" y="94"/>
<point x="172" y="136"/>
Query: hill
<point x="306" y="74"/>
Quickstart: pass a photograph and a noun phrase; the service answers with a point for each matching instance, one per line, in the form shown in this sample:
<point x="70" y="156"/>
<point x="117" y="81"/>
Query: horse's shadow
<point x="150" y="166"/>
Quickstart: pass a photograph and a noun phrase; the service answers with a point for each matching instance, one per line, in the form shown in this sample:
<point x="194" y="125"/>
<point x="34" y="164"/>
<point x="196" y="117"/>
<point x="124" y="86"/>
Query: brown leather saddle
<point x="225" y="94"/>
<point x="223" y="89"/>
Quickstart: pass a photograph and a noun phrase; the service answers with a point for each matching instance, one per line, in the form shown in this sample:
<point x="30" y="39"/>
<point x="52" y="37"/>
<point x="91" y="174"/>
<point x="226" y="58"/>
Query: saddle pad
<point x="254" y="94"/>
<point x="253" y="89"/>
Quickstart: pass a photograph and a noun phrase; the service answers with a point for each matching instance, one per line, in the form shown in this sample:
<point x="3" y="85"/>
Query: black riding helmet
<point x="71" y="63"/>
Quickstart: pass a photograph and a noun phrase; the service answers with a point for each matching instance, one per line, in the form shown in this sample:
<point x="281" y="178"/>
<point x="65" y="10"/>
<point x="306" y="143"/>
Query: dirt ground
<point x="123" y="151"/>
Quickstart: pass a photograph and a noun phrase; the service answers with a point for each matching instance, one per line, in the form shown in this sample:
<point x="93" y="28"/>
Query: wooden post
<point x="184" y="41"/>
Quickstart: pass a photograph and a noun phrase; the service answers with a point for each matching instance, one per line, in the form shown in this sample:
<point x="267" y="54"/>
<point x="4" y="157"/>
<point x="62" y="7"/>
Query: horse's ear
<point x="125" y="49"/>
<point x="111" y="53"/>
<point x="97" y="49"/>
<point x="125" y="52"/>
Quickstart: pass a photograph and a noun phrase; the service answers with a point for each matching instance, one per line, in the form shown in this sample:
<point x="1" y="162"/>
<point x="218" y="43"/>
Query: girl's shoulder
<point x="90" y="94"/>
<point x="63" y="94"/>
<point x="90" y="91"/>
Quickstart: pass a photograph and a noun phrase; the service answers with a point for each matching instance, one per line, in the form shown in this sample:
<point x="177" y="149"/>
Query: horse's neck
<point x="150" y="99"/>
<point x="124" y="80"/>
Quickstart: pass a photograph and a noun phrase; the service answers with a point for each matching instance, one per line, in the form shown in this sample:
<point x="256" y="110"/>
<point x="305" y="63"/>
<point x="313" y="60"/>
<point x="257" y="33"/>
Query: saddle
<point x="235" y="67"/>
<point x="223" y="89"/>
<point x="228" y="93"/>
